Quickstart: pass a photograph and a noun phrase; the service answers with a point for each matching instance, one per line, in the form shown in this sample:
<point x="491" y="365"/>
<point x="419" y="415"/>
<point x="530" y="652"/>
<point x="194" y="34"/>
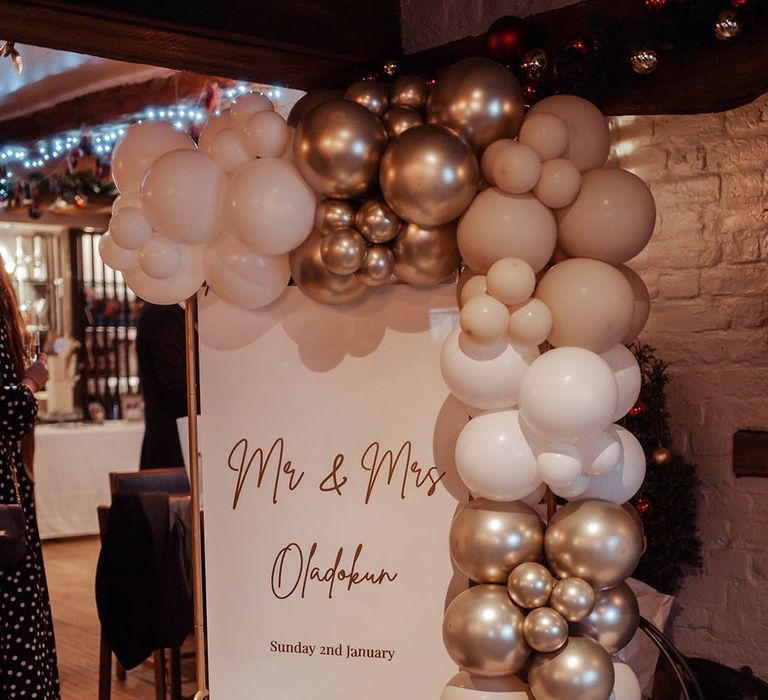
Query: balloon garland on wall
<point x="403" y="182"/>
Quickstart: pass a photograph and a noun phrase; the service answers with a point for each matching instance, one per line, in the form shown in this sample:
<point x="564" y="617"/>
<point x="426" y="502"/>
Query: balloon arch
<point x="411" y="183"/>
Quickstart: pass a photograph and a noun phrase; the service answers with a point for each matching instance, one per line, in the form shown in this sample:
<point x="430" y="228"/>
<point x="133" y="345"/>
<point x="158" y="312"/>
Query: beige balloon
<point x="594" y="540"/>
<point x="591" y="302"/>
<point x="474" y="287"/>
<point x="483" y="632"/>
<point x="400" y="119"/>
<point x="310" y="100"/>
<point x="376" y="221"/>
<point x="545" y="630"/>
<point x="343" y="251"/>
<point x="316" y="280"/>
<point x="499" y="225"/>
<point x="511" y="281"/>
<point x="410" y="91"/>
<point x="378" y="266"/>
<point x="465" y="275"/>
<point x="484" y="318"/>
<point x="489" y="157"/>
<point x="479" y="99"/>
<point x="546" y="133"/>
<point x="612" y="218"/>
<point x="642" y="307"/>
<point x="371" y="94"/>
<point x="509" y="687"/>
<point x="488" y="539"/>
<point x="428" y="175"/>
<point x="516" y="168"/>
<point x="580" y="670"/>
<point x="559" y="183"/>
<point x="573" y="598"/>
<point x="334" y="213"/>
<point x="589" y="141"/>
<point x="530" y="584"/>
<point x="613" y="620"/>
<point x="426" y="256"/>
<point x="530" y="323"/>
<point x="338" y="148"/>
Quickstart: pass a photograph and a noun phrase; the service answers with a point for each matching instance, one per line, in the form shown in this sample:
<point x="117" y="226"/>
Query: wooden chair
<point x="171" y="481"/>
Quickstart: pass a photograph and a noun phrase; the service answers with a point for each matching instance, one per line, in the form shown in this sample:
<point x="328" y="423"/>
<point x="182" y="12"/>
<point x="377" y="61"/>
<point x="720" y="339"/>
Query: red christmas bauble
<point x="654" y="5"/>
<point x="643" y="506"/>
<point x="582" y="44"/>
<point x="532" y="92"/>
<point x="506" y="39"/>
<point x="637" y="410"/>
<point x="739" y="3"/>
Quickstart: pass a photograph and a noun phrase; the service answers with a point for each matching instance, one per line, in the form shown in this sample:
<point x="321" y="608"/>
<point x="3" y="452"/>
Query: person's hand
<point x="36" y="375"/>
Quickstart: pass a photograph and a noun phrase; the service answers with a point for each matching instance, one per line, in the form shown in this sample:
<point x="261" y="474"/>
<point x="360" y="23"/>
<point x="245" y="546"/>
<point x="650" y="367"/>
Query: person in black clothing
<point x="160" y="346"/>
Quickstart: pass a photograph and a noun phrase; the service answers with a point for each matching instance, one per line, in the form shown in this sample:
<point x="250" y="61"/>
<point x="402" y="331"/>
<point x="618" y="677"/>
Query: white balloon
<point x="160" y="258"/>
<point x="484" y="375"/>
<point x="603" y="452"/>
<point x="142" y="144"/>
<point x="228" y="151"/>
<point x="534" y="498"/>
<point x="494" y="459"/>
<point x="266" y="134"/>
<point x="273" y="209"/>
<point x="516" y="168"/>
<point x="625" y="684"/>
<point x="183" y="196"/>
<point x="546" y="134"/>
<point x="242" y="277"/>
<point x="245" y="106"/>
<point x="626" y="478"/>
<point x="560" y="464"/>
<point x="130" y="228"/>
<point x="625" y="369"/>
<point x="574" y="489"/>
<point x="173" y="290"/>
<point x="116" y="257"/>
<point x="568" y="393"/>
<point x="129" y="199"/>
<point x="212" y="127"/>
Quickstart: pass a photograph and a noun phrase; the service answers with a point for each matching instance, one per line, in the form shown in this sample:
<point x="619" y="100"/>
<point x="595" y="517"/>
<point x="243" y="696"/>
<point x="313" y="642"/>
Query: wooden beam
<point x="102" y="106"/>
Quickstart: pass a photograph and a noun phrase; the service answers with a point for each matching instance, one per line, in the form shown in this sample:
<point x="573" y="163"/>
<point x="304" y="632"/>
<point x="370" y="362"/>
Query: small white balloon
<point x="573" y="490"/>
<point x="228" y="151"/>
<point x="560" y="464"/>
<point x="530" y="323"/>
<point x="175" y="289"/>
<point x="484" y="375"/>
<point x="559" y="183"/>
<point x="160" y="259"/>
<point x="212" y="127"/>
<point x="116" y="257"/>
<point x="626" y="478"/>
<point x="546" y="134"/>
<point x="516" y="168"/>
<point x="130" y="228"/>
<point x="484" y="318"/>
<point x="266" y="134"/>
<point x="245" y="106"/>
<point x="511" y="281"/>
<point x="625" y="369"/>
<point x="489" y="156"/>
<point x="494" y="459"/>
<point x="625" y="684"/>
<point x="603" y="452"/>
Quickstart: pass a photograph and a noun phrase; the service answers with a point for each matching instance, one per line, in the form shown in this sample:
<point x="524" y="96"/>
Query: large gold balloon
<point x="378" y="266"/>
<point x="310" y="100"/>
<point x="316" y="280"/>
<point x="594" y="540"/>
<point x="573" y="598"/>
<point x="530" y="584"/>
<point x="614" y="619"/>
<point x="343" y="251"/>
<point x="338" y="148"/>
<point x="426" y="256"/>
<point x="370" y="94"/>
<point x="410" y="91"/>
<point x="489" y="538"/>
<point x="429" y="175"/>
<point x="478" y="98"/>
<point x="334" y="213"/>
<point x="545" y="630"/>
<point x="483" y="632"/>
<point x="580" y="670"/>
<point x="400" y="119"/>
<point x="376" y="221"/>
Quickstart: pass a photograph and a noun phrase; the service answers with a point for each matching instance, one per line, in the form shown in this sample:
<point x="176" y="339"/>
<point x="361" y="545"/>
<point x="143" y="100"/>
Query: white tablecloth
<point x="72" y="466"/>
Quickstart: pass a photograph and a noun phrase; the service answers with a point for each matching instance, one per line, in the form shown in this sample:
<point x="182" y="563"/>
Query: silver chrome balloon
<point x="613" y="620"/>
<point x="343" y="251"/>
<point x="426" y="256"/>
<point x="334" y="213"/>
<point x="370" y="94"/>
<point x="530" y="584"/>
<point x="378" y="266"/>
<point x="376" y="221"/>
<point x="310" y="100"/>
<point x="545" y="630"/>
<point x="409" y="91"/>
<point x="573" y="598"/>
<point x="400" y="119"/>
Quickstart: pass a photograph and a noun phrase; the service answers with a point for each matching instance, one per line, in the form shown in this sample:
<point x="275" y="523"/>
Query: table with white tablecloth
<point x="72" y="466"/>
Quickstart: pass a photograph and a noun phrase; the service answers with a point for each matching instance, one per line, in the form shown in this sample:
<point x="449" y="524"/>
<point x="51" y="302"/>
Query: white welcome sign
<point x="329" y="489"/>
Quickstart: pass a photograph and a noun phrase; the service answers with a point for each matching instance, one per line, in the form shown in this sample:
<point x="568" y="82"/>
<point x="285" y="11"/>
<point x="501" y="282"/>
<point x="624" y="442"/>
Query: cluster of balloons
<point x="552" y="603"/>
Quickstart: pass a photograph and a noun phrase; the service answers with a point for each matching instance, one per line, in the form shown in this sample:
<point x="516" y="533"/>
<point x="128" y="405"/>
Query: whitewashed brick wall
<point x="707" y="272"/>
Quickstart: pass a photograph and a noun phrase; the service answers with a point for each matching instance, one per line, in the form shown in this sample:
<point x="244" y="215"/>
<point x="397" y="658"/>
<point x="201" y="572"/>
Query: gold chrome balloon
<point x="594" y="540"/>
<point x="334" y="213"/>
<point x="338" y="148"/>
<point x="426" y="256"/>
<point x="530" y="584"/>
<point x="400" y="119"/>
<point x="545" y="630"/>
<point x="378" y="266"/>
<point x="409" y="91"/>
<point x="343" y="251"/>
<point x="429" y="175"/>
<point x="310" y="100"/>
<point x="580" y="670"/>
<point x="573" y="598"/>
<point x="370" y="94"/>
<point x="614" y="619"/>
<point x="479" y="99"/>
<point x="316" y="280"/>
<point x="489" y="538"/>
<point x="483" y="632"/>
<point x="376" y="221"/>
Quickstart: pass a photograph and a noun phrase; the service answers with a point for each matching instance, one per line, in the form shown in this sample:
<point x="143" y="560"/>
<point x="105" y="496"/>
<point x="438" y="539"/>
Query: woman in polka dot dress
<point x="27" y="648"/>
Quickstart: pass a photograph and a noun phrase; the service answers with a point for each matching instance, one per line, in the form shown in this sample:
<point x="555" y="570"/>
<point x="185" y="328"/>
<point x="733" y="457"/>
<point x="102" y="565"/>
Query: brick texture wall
<point x="707" y="273"/>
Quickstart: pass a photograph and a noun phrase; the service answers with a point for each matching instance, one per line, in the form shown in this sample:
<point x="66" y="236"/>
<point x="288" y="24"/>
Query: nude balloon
<point x="559" y="183"/>
<point x="516" y="168"/>
<point x="484" y="318"/>
<point x="546" y="133"/>
<point x="642" y="305"/>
